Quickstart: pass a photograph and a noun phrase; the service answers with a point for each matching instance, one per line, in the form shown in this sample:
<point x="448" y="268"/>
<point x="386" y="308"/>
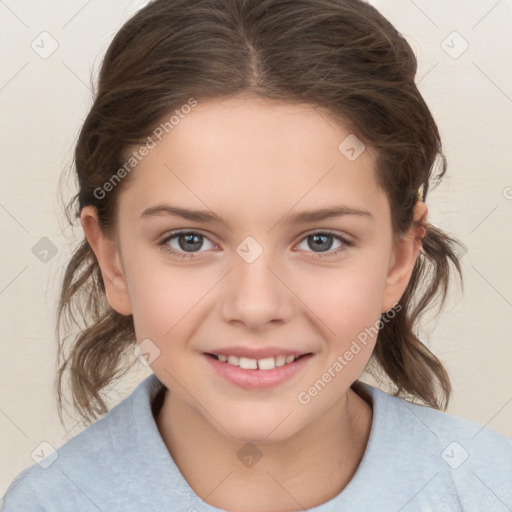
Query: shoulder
<point x="471" y="459"/>
<point x="458" y="437"/>
<point x="65" y="477"/>
<point x="84" y="470"/>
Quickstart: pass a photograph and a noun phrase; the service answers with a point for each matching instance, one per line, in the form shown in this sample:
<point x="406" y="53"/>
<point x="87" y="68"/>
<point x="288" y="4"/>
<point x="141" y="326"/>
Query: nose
<point x="255" y="294"/>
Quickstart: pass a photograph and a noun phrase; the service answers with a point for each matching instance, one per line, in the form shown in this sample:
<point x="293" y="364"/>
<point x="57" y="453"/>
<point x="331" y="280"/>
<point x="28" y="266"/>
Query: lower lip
<point x="257" y="379"/>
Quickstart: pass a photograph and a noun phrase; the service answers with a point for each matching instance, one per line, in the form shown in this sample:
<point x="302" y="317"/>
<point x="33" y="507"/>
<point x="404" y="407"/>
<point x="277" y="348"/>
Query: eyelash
<point x="346" y="244"/>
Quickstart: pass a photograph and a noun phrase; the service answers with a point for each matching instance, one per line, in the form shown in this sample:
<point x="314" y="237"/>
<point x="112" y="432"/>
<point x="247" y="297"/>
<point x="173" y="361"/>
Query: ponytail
<point x="410" y="365"/>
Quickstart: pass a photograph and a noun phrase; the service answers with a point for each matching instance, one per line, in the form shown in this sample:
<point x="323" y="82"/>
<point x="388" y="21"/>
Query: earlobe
<point x="108" y="256"/>
<point x="405" y="253"/>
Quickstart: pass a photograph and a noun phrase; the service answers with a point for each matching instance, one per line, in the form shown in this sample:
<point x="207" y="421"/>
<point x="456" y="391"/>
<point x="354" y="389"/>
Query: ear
<point x="109" y="259"/>
<point x="404" y="254"/>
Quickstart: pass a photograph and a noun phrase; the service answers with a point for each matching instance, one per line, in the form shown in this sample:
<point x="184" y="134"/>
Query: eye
<point x="183" y="243"/>
<point x="323" y="240"/>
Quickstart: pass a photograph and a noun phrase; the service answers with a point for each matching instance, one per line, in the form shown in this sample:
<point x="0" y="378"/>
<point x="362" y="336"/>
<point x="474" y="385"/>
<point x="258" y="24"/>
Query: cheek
<point x="347" y="298"/>
<point x="165" y="307"/>
<point x="163" y="299"/>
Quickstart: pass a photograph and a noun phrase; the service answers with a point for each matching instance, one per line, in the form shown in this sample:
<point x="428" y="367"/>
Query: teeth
<point x="269" y="363"/>
<point x="248" y="364"/>
<point x="233" y="360"/>
<point x="280" y="360"/>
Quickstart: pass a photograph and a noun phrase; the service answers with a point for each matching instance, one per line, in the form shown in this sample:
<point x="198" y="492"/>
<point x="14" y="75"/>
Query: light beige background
<point x="44" y="100"/>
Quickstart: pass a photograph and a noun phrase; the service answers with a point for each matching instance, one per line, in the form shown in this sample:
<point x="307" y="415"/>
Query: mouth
<point x="265" y="364"/>
<point x="257" y="374"/>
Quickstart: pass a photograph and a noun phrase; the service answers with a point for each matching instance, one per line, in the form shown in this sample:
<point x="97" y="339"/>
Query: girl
<point x="252" y="185"/>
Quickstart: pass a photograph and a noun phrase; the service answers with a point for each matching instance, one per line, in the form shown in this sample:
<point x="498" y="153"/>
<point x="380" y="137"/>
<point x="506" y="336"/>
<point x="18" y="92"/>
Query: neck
<point x="303" y="471"/>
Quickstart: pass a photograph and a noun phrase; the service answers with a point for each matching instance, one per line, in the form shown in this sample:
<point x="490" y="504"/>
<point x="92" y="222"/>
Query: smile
<point x="268" y="363"/>
<point x="254" y="374"/>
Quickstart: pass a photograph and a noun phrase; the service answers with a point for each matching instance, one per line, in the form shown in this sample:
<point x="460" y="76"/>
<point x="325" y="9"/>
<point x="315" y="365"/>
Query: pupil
<point x="190" y="244"/>
<point x="321" y="238"/>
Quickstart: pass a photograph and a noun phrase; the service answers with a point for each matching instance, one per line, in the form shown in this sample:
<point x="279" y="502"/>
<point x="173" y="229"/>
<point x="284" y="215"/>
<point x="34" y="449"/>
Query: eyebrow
<point x="207" y="216"/>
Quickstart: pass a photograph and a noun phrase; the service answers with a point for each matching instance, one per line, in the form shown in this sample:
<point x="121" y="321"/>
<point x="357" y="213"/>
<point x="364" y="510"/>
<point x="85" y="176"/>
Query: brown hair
<point x="341" y="55"/>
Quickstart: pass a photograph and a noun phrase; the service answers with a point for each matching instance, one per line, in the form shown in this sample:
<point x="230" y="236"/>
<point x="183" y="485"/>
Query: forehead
<point x="255" y="154"/>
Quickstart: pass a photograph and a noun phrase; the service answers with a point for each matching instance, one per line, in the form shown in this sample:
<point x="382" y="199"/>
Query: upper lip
<point x="257" y="353"/>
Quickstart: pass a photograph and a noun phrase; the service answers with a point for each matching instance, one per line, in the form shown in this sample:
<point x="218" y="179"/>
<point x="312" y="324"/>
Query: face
<point x="254" y="275"/>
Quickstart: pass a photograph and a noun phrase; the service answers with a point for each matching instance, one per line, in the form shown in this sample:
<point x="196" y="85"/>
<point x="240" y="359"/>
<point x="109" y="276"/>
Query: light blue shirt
<point x="416" y="459"/>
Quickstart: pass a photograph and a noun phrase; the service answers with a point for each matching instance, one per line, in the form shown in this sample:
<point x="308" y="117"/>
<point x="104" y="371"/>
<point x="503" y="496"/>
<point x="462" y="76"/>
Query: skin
<point x="251" y="162"/>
